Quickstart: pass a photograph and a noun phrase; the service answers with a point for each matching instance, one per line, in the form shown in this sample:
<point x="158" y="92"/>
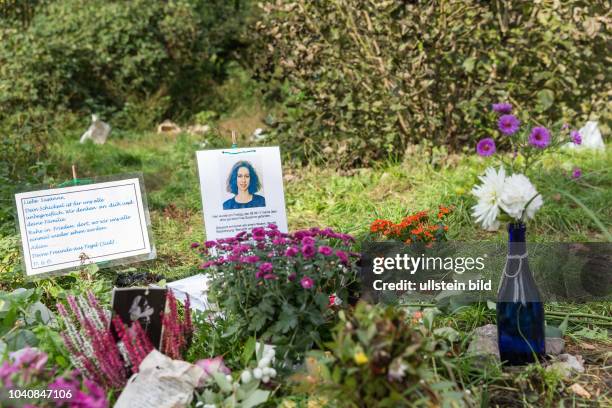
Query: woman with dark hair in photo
<point x="243" y="182"/>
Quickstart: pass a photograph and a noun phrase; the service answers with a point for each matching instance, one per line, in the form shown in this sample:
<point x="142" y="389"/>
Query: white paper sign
<point x="65" y="227"/>
<point x="241" y="189"/>
<point x="196" y="287"/>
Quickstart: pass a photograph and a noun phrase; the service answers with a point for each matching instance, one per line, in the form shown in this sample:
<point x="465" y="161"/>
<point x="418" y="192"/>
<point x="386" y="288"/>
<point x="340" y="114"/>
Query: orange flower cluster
<point x="418" y="227"/>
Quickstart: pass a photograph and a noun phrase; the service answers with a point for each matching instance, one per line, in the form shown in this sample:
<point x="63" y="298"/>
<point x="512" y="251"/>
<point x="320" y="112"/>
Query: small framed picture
<point x="144" y="305"/>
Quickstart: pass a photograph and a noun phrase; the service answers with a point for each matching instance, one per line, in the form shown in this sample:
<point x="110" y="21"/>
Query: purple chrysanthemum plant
<point x="277" y="285"/>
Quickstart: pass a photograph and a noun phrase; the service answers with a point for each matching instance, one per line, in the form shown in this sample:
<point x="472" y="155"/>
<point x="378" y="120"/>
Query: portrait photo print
<point x="242" y="189"/>
<point x="244" y="184"/>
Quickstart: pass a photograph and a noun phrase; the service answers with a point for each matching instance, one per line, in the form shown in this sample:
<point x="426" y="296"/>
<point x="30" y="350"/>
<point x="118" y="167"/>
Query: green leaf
<point x="222" y="382"/>
<point x="552" y="331"/>
<point x="286" y="321"/>
<point x="91" y="269"/>
<point x="468" y="64"/>
<point x="257" y="322"/>
<point x="447" y="333"/>
<point x="38" y="312"/>
<point x="21" y="339"/>
<point x="249" y="350"/>
<point x="255" y="398"/>
<point x="546" y="98"/>
<point x="563" y="325"/>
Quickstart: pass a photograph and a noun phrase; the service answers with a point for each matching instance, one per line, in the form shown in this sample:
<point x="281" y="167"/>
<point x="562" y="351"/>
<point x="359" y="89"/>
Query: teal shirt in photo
<point x="232" y="204"/>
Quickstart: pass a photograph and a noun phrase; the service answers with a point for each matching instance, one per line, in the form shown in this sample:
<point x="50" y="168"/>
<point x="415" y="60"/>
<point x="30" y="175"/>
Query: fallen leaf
<point x="580" y="391"/>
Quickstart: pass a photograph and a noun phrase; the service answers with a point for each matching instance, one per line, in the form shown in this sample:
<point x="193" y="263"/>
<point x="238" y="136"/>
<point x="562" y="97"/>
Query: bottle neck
<point x="516" y="239"/>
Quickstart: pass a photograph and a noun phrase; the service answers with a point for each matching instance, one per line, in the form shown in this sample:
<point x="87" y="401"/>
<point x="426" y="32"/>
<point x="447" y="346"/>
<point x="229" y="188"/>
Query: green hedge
<point x="118" y="57"/>
<point x="363" y="79"/>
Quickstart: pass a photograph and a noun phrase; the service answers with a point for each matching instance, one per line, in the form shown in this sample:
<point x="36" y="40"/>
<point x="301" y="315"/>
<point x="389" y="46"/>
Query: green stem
<point x="585" y="315"/>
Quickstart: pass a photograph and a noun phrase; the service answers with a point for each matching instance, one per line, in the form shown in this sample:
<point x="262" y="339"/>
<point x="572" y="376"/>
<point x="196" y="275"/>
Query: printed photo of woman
<point x="243" y="182"/>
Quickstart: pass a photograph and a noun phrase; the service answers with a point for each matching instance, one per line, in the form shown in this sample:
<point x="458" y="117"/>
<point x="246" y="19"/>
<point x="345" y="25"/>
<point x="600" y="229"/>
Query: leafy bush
<point x="381" y="357"/>
<point x="109" y="56"/>
<point x="21" y="314"/>
<point x="282" y="288"/>
<point x="362" y="80"/>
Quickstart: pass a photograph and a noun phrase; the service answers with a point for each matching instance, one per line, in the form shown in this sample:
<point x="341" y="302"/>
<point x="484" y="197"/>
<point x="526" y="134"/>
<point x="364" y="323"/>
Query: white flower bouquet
<point x="504" y="197"/>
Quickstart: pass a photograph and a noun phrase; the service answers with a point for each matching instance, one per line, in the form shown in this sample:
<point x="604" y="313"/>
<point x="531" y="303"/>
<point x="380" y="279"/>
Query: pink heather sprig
<point x="177" y="334"/>
<point x="137" y="344"/>
<point x="107" y="355"/>
<point x="91" y="345"/>
<point x="173" y="339"/>
<point x="96" y="306"/>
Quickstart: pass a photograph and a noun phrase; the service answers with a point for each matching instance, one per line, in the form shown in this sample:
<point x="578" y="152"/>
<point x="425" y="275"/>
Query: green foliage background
<point x="362" y="80"/>
<point x="134" y="63"/>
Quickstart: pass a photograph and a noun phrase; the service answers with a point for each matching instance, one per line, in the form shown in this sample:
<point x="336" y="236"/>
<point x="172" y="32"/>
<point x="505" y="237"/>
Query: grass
<point x="575" y="210"/>
<point x="348" y="201"/>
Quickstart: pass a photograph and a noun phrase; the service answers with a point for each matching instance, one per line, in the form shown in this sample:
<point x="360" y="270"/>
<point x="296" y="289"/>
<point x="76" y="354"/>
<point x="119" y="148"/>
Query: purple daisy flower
<point x="292" y="276"/>
<point x="577" y="173"/>
<point x="307" y="282"/>
<point x="266" y="267"/>
<point x="308" y="241"/>
<point x="486" y="147"/>
<point x="576" y="137"/>
<point x="539" y="137"/>
<point x="503" y="108"/>
<point x="325" y="250"/>
<point x="250" y="259"/>
<point x="270" y="276"/>
<point x="291" y="251"/>
<point x="259" y="234"/>
<point x="308" y="251"/>
<point x="508" y="124"/>
<point x="342" y="256"/>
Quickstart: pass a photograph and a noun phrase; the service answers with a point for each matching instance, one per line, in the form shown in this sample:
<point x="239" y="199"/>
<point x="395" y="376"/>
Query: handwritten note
<point x="66" y="227"/>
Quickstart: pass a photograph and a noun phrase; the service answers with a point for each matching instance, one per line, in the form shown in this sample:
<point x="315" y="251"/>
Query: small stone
<point x="554" y="345"/>
<point x="198" y="129"/>
<point x="573" y="362"/>
<point x="567" y="364"/>
<point x="580" y="391"/>
<point x="484" y="342"/>
<point x="168" y="127"/>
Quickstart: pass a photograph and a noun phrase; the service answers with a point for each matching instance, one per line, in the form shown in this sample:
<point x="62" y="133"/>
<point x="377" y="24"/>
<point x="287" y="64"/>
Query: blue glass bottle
<point x="520" y="311"/>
